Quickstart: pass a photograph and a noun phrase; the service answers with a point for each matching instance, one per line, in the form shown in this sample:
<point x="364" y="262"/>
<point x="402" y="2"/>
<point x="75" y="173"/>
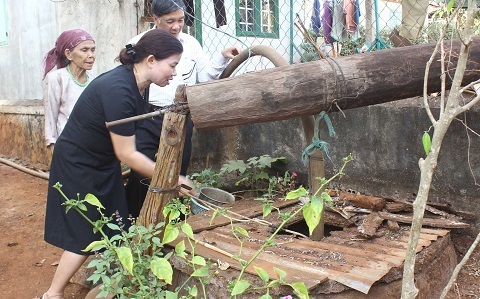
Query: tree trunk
<point x="329" y="84"/>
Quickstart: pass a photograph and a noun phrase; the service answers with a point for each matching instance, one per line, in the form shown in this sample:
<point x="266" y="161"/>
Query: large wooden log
<point x="307" y="88"/>
<point x="163" y="186"/>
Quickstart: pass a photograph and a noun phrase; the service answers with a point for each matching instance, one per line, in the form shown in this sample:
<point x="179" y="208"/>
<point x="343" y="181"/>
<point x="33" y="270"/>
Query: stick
<point x="173" y="108"/>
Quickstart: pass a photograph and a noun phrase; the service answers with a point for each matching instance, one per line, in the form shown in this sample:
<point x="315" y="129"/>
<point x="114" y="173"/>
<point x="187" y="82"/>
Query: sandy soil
<point x="27" y="263"/>
<point x="26" y="260"/>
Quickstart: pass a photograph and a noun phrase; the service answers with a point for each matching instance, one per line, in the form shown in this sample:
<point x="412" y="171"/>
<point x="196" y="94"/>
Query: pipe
<point x="39" y="174"/>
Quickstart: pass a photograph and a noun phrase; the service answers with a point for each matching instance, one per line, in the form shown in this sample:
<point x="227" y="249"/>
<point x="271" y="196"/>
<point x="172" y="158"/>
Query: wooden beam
<point x="307" y="88"/>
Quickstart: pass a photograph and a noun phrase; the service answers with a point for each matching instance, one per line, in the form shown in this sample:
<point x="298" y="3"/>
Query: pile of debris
<point x="368" y="214"/>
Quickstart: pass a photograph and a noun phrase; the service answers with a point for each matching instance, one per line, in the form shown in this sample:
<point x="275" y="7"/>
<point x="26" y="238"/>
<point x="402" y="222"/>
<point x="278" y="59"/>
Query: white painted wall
<point x="34" y="25"/>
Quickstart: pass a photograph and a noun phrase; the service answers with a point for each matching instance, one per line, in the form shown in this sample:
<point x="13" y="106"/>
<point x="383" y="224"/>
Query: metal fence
<point x="336" y="27"/>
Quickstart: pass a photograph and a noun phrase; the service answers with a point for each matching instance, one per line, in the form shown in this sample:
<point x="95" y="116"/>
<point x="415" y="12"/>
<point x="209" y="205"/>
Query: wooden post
<point x="316" y="168"/>
<point x="163" y="186"/>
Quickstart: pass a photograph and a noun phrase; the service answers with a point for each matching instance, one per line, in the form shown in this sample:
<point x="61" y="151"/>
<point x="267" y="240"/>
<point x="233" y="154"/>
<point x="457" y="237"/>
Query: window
<point x="257" y="18"/>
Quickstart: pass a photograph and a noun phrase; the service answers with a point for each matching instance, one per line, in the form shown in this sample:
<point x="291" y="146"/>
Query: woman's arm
<point x="51" y="102"/>
<point x="125" y="150"/>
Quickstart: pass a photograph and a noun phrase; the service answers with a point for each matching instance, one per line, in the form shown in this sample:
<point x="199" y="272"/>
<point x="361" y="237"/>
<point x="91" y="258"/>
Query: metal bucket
<point x="196" y="207"/>
<point x="216" y="196"/>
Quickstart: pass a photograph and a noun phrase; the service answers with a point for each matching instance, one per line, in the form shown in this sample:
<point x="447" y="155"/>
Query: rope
<point x="318" y="144"/>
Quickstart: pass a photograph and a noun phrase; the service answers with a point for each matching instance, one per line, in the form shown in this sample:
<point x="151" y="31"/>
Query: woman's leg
<point x="69" y="264"/>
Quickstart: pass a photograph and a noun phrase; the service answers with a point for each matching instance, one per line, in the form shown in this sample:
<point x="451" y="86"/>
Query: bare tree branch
<point x="459" y="267"/>
<point x="471" y="85"/>
<point x="427" y="166"/>
<point x="442" y="77"/>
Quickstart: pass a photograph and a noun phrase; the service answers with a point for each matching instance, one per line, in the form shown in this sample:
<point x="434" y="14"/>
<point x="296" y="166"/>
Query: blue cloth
<point x="316" y="22"/>
<point x="357" y="12"/>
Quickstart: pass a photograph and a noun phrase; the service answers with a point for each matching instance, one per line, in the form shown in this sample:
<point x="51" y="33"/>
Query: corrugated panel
<point x="342" y="257"/>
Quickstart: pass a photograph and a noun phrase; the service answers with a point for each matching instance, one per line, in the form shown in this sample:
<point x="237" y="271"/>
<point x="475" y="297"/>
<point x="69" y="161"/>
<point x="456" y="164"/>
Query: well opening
<point x="302" y="228"/>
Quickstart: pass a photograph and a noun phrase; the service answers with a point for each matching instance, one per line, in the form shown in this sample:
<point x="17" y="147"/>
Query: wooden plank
<point x="293" y="274"/>
<point x="359" y="266"/>
<point x="338" y="261"/>
<point x="400" y="242"/>
<point x="247" y="208"/>
<point x="367" y="246"/>
<point x="433" y="222"/>
<point x="308" y="249"/>
<point x="438" y="232"/>
<point x="429" y="209"/>
<point x="344" y="249"/>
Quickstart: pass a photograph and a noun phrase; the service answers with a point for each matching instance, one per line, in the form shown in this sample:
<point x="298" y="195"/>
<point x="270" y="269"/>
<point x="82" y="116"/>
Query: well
<point x="342" y="265"/>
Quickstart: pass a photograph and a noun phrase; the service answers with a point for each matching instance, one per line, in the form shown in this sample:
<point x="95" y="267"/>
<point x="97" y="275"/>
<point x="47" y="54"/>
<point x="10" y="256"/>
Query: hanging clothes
<point x="327" y="21"/>
<point x="316" y="22"/>
<point x="220" y="13"/>
<point x="340" y="31"/>
<point x="349" y="11"/>
<point x="357" y="12"/>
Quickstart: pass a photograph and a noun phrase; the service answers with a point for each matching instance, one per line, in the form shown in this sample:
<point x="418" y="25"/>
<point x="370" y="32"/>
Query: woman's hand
<point x="231" y="52"/>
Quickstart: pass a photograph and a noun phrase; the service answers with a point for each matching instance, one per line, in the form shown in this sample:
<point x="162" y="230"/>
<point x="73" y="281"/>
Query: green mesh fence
<point x="337" y="27"/>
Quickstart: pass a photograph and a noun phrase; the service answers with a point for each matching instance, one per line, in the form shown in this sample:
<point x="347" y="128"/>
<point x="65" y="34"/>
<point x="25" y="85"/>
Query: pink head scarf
<point x="67" y="40"/>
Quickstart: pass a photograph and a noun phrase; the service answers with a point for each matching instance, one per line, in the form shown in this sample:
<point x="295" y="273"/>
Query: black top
<point x="84" y="160"/>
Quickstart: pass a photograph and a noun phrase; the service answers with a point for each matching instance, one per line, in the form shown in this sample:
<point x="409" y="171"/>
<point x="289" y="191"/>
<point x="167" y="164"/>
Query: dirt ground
<point x="27" y="263"/>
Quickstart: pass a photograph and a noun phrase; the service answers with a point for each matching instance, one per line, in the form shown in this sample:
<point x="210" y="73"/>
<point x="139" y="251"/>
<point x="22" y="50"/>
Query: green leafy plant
<point x="427" y="142"/>
<point x="125" y="268"/>
<point x="312" y="213"/>
<point x="253" y="173"/>
<point x="207" y="178"/>
<point x="282" y="184"/>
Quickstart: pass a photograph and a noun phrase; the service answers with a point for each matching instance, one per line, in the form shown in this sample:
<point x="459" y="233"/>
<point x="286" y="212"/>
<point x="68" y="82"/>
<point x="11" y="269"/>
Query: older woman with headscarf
<point x="73" y="56"/>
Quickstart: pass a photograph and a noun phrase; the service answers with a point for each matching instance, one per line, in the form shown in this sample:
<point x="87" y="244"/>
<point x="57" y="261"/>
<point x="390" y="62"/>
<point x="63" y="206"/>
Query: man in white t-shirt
<point x="194" y="66"/>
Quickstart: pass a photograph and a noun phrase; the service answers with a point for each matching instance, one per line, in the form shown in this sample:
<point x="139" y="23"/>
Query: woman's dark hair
<point x="163" y="7"/>
<point x="157" y="42"/>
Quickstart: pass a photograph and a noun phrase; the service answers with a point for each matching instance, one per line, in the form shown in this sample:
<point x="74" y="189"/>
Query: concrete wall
<point x="385" y="141"/>
<point x="21" y="133"/>
<point x="33" y="27"/>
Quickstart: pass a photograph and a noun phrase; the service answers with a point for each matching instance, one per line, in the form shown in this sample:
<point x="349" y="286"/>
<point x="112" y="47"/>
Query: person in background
<point x="73" y="55"/>
<point x="87" y="154"/>
<point x="194" y="66"/>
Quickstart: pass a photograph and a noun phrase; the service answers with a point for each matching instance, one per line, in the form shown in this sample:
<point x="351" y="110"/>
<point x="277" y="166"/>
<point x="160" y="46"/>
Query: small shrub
<point x="254" y="173"/>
